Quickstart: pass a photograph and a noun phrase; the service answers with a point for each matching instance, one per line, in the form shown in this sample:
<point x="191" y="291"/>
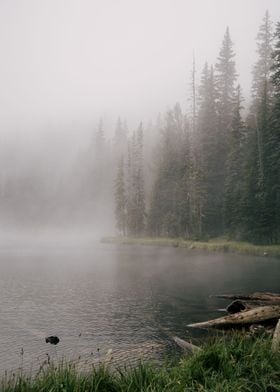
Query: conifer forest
<point x="214" y="170"/>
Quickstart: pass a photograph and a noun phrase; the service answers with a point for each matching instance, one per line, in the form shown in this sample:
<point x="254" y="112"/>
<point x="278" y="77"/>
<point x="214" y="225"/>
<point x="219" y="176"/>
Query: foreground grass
<point x="217" y="245"/>
<point x="240" y="364"/>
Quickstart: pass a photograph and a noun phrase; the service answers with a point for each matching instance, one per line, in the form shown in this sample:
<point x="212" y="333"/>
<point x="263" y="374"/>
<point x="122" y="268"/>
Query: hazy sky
<point x="69" y="61"/>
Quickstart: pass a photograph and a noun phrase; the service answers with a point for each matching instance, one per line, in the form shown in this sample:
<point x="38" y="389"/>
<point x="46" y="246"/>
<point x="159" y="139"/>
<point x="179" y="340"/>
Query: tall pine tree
<point x="234" y="185"/>
<point x="120" y="198"/>
<point x="257" y="214"/>
<point x="225" y="83"/>
<point x="135" y="181"/>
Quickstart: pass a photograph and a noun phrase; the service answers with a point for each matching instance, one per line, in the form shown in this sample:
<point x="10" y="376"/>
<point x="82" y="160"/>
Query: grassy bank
<point x="241" y="364"/>
<point x="217" y="245"/>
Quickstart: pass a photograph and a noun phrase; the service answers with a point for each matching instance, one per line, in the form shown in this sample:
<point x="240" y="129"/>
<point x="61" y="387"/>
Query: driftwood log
<point x="239" y="306"/>
<point x="276" y="338"/>
<point x="258" y="296"/>
<point x="247" y="317"/>
<point x="186" y="346"/>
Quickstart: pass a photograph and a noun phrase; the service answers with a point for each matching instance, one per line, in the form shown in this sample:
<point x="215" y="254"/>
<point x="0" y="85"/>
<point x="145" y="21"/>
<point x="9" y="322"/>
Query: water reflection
<point x="112" y="296"/>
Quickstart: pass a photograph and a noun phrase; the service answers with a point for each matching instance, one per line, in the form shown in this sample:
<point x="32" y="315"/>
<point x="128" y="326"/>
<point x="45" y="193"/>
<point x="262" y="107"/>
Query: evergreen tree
<point x="208" y="164"/>
<point x="234" y="185"/>
<point x="272" y="148"/>
<point x="120" y="198"/>
<point x="169" y="211"/>
<point x="261" y="70"/>
<point x="275" y="66"/>
<point x="225" y="83"/>
<point x="136" y="194"/>
<point x="258" y="214"/>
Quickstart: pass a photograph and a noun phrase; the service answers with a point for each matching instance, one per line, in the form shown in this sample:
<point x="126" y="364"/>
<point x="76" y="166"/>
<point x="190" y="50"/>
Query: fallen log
<point x="258" y="296"/>
<point x="276" y="338"/>
<point x="186" y="346"/>
<point x="239" y="306"/>
<point x="252" y="316"/>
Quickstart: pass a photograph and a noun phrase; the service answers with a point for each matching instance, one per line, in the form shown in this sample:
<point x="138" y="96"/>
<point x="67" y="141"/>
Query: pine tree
<point x="139" y="182"/>
<point x="225" y="83"/>
<point x="275" y="66"/>
<point x="262" y="68"/>
<point x="272" y="147"/>
<point x="169" y="211"/>
<point x="136" y="193"/>
<point x="225" y="79"/>
<point x="258" y="214"/>
<point x="208" y="164"/>
<point x="120" y="198"/>
<point x="100" y="165"/>
<point x="234" y="184"/>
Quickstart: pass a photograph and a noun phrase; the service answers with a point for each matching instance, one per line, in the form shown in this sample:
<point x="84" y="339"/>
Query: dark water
<point x="118" y="297"/>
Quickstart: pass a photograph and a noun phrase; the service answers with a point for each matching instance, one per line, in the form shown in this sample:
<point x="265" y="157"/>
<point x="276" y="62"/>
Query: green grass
<point x="237" y="364"/>
<point x="216" y="245"/>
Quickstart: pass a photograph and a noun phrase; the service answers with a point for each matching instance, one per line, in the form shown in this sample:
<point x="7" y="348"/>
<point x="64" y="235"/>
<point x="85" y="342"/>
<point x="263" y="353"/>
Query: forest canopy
<point x="216" y="169"/>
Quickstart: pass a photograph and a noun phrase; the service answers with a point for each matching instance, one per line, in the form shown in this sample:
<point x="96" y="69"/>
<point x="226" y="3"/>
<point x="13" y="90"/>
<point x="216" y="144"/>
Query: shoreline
<point x="214" y="245"/>
<point x="237" y="363"/>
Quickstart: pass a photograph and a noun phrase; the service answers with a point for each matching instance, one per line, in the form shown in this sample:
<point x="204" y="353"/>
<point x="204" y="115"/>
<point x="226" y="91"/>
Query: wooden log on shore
<point x="253" y="316"/>
<point x="258" y="296"/>
<point x="240" y="306"/>
<point x="186" y="346"/>
<point x="276" y="338"/>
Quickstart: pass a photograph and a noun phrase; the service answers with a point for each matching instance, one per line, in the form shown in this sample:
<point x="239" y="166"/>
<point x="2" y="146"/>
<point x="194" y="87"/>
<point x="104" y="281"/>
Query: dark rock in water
<point x="236" y="306"/>
<point x="52" y="339"/>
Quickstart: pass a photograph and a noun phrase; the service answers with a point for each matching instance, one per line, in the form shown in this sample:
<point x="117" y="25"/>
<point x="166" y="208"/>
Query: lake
<point x="97" y="297"/>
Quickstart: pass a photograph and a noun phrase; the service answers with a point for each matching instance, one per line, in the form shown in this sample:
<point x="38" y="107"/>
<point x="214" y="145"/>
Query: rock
<point x="236" y="306"/>
<point x="52" y="340"/>
<point x="257" y="329"/>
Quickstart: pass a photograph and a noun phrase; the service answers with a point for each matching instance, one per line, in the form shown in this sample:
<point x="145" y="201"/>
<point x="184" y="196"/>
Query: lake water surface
<point x="113" y="296"/>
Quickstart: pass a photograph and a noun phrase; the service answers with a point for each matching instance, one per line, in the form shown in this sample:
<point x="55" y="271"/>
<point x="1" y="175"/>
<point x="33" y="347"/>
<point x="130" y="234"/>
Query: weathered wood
<point x="240" y="306"/>
<point x="258" y="296"/>
<point x="276" y="338"/>
<point x="252" y="316"/>
<point x="186" y="346"/>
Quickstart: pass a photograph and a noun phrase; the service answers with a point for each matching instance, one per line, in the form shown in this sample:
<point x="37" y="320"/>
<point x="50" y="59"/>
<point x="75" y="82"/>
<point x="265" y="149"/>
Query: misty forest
<point x="139" y="191"/>
<point x="215" y="170"/>
<point x="211" y="171"/>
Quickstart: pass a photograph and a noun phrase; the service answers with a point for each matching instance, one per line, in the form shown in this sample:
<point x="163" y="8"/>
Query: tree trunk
<point x="186" y="346"/>
<point x="239" y="306"/>
<point x="258" y="296"/>
<point x="255" y="315"/>
<point x="276" y="338"/>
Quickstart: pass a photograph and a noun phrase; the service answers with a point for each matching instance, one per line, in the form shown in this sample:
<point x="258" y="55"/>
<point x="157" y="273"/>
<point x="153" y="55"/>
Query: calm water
<point x="109" y="296"/>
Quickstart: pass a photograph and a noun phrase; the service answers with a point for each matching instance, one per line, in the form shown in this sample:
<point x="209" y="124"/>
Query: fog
<point x="66" y="64"/>
<point x="71" y="61"/>
<point x="125" y="118"/>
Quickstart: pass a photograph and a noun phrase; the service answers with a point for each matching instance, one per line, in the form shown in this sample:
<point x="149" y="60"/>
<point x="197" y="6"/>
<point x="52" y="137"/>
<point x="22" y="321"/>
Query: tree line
<point x="216" y="171"/>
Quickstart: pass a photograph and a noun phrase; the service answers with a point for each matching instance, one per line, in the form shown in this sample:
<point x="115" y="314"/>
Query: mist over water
<point x="85" y="97"/>
<point x="113" y="297"/>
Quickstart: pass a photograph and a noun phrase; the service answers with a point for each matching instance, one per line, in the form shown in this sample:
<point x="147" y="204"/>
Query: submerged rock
<point x="52" y="339"/>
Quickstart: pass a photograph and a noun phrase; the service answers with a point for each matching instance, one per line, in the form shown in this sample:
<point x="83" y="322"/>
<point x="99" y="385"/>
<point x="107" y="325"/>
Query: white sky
<point x="65" y="61"/>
